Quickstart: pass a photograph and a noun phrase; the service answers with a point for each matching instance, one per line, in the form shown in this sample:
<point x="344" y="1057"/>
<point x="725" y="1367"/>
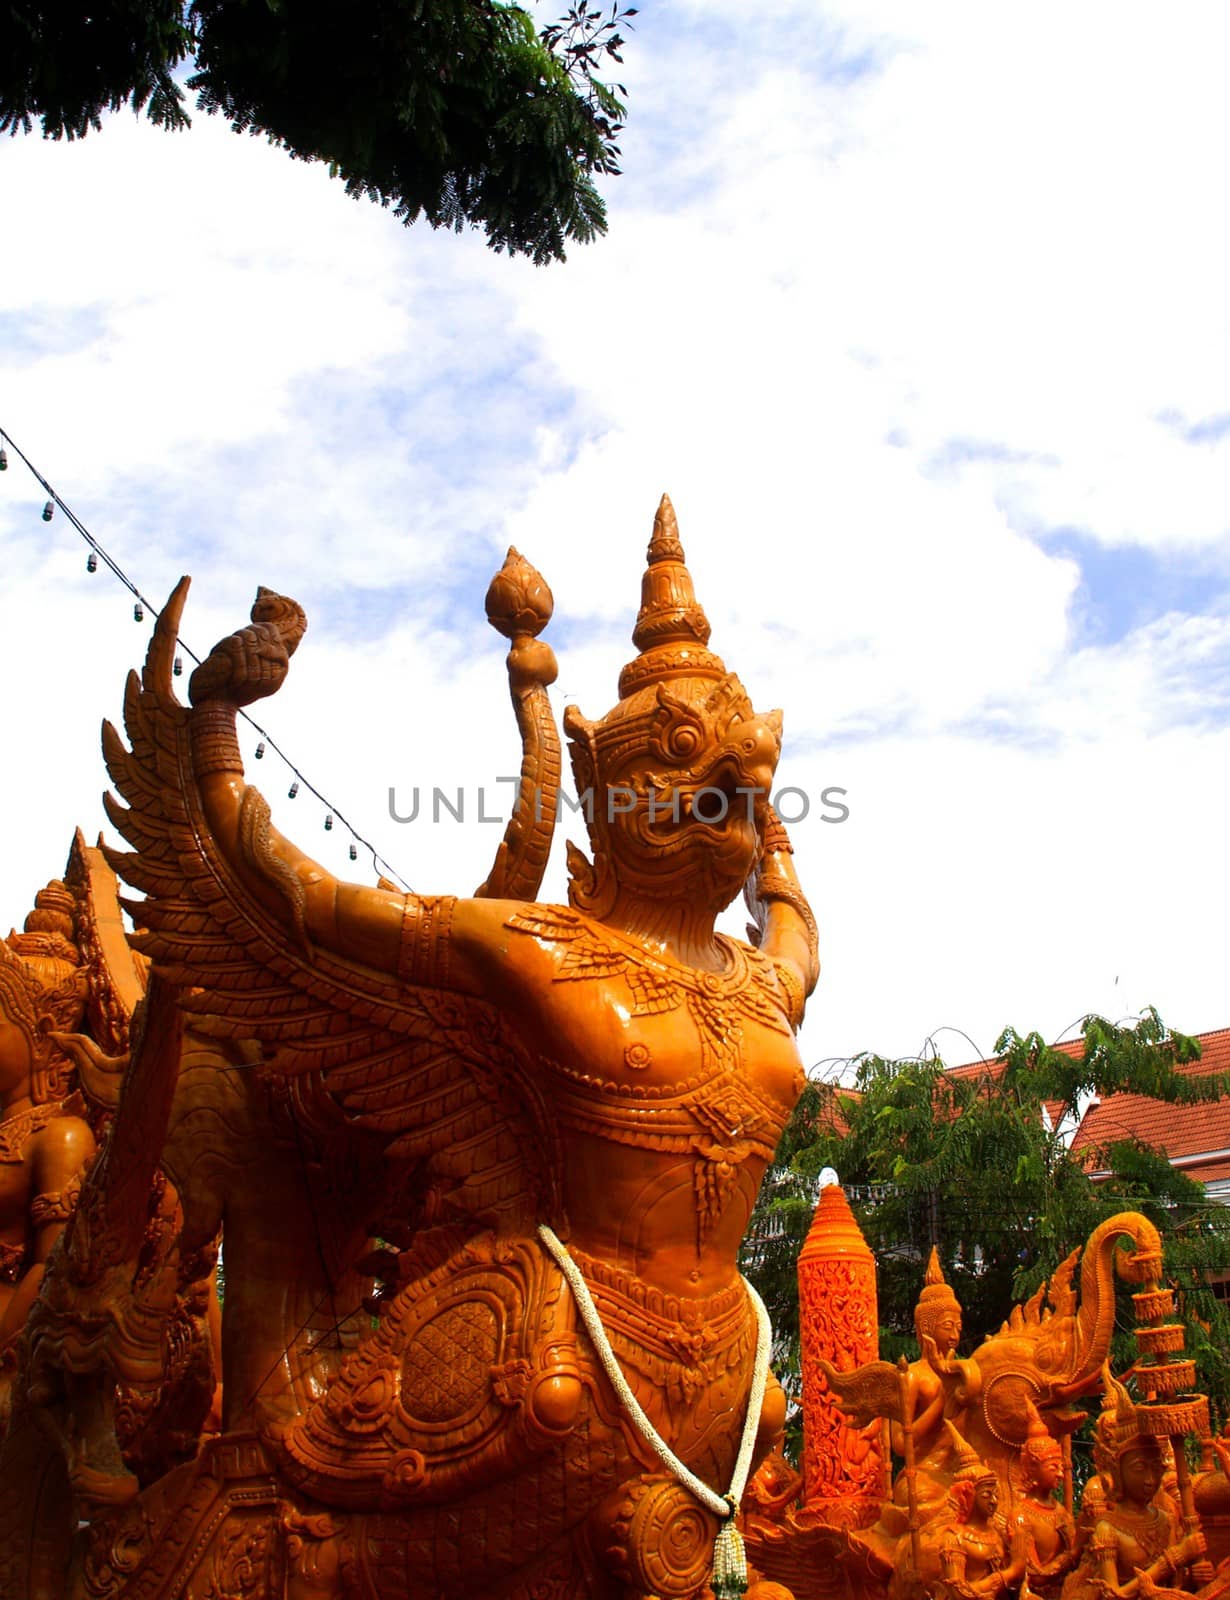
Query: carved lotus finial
<point x="519" y="599"/>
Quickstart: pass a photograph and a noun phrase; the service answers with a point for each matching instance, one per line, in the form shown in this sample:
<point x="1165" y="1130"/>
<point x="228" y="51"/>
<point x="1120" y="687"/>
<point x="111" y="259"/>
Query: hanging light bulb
<point x="354" y="853"/>
<point x="260" y="751"/>
<point x="49" y="510"/>
<point x="177" y="667"/>
<point x="138" y="612"/>
<point x="293" y="790"/>
<point x="328" y="821"/>
<point x="4" y="459"/>
<point x="91" y="562"/>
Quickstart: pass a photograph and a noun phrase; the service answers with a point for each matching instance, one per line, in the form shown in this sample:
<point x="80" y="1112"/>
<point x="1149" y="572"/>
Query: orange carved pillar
<point x="842" y="1472"/>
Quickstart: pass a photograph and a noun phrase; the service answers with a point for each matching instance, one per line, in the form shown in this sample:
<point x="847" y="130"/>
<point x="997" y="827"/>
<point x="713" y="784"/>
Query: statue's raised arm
<point x="375" y="926"/>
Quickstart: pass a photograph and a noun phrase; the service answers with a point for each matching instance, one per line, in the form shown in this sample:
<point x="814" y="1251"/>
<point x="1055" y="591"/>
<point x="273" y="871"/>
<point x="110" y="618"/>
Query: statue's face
<point x="686" y="816"/>
<point x="943" y="1324"/>
<point x="948" y="1331"/>
<point x="1046" y="1464"/>
<point x="1140" y="1471"/>
<point x="986" y="1498"/>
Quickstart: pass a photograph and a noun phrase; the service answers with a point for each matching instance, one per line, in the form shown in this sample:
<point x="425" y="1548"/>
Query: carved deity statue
<point x="45" y="1144"/>
<point x="481" y="1165"/>
<point x="1135" y="1534"/>
<point x="940" y="1385"/>
<point x="921" y="1401"/>
<point x="966" y="1548"/>
<point x="41" y="1151"/>
<point x="979" y="1557"/>
<point x="1045" y="1522"/>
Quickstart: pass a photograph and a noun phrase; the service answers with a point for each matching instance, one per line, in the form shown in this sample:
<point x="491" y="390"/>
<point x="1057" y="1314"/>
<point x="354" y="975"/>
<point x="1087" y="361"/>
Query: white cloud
<point x="870" y="330"/>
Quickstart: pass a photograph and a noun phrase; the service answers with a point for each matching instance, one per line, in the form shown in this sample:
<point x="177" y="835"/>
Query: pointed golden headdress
<point x="968" y="1466"/>
<point x="672" y="630"/>
<point x="677" y="703"/>
<point x="1118" y="1425"/>
<point x="672" y="637"/>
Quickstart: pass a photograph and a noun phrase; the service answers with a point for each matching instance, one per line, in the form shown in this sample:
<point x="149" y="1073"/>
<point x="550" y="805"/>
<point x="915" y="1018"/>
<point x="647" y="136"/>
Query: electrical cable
<point x="144" y="604"/>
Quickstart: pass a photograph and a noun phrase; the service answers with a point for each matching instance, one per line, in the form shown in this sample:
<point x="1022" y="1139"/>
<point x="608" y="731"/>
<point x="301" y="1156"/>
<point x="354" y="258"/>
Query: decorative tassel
<point x="729" y="1561"/>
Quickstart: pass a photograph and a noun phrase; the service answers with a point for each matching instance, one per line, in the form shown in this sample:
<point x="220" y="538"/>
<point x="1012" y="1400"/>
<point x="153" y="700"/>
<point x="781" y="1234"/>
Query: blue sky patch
<point x="1125" y="587"/>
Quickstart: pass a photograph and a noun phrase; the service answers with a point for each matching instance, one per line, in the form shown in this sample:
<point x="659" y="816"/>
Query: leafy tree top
<point x="453" y="110"/>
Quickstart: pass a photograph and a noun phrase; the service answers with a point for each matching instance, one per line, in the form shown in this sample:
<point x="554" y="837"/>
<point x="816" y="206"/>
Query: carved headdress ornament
<point x="677" y="701"/>
<point x="971" y="1469"/>
<point x="1118" y="1426"/>
<point x="43" y="986"/>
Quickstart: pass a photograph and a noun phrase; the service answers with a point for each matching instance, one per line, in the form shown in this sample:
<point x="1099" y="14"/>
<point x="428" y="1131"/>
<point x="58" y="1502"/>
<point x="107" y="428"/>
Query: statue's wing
<point x="440" y="1075"/>
<point x="870" y="1391"/>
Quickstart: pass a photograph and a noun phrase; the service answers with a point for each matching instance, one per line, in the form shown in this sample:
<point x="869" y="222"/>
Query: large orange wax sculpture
<point x="429" y="1130"/>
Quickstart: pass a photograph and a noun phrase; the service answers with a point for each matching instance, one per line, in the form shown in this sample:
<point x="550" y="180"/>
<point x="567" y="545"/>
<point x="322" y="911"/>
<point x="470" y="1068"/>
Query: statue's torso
<point x="670" y="1088"/>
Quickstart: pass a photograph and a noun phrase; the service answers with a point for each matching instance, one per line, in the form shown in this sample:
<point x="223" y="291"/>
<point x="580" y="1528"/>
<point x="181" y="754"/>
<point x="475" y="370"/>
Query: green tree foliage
<point x="976" y="1164"/>
<point x="454" y="110"/>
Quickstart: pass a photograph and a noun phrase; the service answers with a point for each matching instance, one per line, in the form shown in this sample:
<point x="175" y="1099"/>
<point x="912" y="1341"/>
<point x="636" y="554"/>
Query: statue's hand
<point x="933" y="1358"/>
<point x="757" y="890"/>
<point x="252" y="664"/>
<point x="249" y="666"/>
<point x="1189" y="1549"/>
<point x="758" y="905"/>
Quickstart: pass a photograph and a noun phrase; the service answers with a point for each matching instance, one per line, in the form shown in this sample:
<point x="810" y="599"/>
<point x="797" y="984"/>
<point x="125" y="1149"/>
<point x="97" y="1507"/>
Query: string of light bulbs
<point x="142" y="604"/>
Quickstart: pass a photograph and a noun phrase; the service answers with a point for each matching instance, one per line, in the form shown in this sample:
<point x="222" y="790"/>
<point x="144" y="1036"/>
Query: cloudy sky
<point x="920" y="315"/>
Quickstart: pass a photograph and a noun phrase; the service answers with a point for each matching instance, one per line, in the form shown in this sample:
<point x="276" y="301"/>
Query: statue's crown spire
<point x="671" y="629"/>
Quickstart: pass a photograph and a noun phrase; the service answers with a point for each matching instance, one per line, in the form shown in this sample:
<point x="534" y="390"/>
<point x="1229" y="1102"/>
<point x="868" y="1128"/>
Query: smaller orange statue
<point x="941" y="1385"/>
<point x="1137" y="1540"/>
<point x="921" y="1399"/>
<point x="44" y="1145"/>
<point x="966" y="1548"/>
<point x="980" y="1558"/>
<point x="1045" y="1522"/>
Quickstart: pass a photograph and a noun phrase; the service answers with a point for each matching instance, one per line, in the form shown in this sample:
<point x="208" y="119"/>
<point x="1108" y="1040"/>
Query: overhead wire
<point x="142" y="604"/>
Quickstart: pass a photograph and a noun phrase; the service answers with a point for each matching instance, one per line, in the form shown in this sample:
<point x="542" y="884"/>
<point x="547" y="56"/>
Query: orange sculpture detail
<point x="1045" y="1522"/>
<point x="973" y="1512"/>
<point x="843" y="1473"/>
<point x="376" y="1100"/>
<point x="1135" y="1527"/>
<point x="69" y="969"/>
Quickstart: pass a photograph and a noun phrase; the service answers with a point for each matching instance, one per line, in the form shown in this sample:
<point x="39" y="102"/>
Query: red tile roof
<point x="994" y="1069"/>
<point x="1185" y="1133"/>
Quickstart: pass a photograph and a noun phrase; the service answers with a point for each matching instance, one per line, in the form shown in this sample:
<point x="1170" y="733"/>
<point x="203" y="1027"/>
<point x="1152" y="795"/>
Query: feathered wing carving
<point x="440" y="1074"/>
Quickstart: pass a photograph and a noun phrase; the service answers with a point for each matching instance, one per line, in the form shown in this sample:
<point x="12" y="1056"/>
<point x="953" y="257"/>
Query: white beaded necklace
<point x="729" y="1561"/>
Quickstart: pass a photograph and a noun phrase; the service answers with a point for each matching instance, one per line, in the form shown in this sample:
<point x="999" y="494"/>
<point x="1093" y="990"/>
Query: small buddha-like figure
<point x="1045" y="1522"/>
<point x="1136" y="1541"/>
<point x="44" y="1146"/>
